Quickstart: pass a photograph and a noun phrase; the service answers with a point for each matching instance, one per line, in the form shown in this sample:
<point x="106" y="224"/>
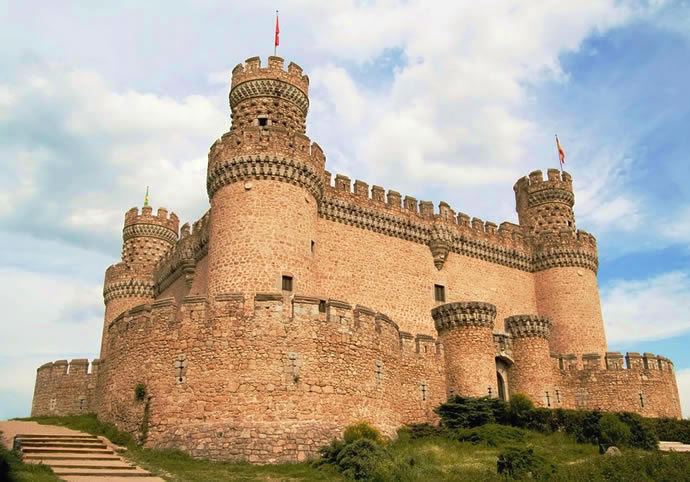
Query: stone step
<point x="68" y="445"/>
<point x="78" y="464"/>
<point x="55" y="437"/>
<point x="101" y="472"/>
<point x="57" y="450"/>
<point x="70" y="457"/>
<point x="91" y="478"/>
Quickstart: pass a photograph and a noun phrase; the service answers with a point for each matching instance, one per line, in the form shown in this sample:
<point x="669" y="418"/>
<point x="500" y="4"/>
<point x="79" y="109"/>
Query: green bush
<point x="518" y="463"/>
<point x="642" y="433"/>
<point x="358" y="460"/>
<point x="362" y="430"/>
<point x="468" y="412"/>
<point x="673" y="430"/>
<point x="140" y="392"/>
<point x="612" y="431"/>
<point x="491" y="435"/>
<point x="423" y="430"/>
<point x="519" y="409"/>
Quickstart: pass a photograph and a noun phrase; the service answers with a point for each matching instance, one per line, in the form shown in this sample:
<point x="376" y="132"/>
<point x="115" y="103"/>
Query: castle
<point x="299" y="304"/>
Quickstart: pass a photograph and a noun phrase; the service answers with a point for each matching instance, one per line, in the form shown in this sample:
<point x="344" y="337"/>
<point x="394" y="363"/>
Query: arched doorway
<point x="502" y="367"/>
<point x="501" y="387"/>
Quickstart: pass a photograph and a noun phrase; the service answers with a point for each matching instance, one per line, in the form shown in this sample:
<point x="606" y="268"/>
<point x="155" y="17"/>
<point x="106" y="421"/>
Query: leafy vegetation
<point x="537" y="444"/>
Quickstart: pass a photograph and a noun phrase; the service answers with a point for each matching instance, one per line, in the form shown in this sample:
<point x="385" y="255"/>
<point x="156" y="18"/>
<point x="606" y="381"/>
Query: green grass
<point x="13" y="470"/>
<point x="424" y="460"/>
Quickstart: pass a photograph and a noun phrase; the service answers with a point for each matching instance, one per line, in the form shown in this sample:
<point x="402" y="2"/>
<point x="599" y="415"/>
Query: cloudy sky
<point x="445" y="101"/>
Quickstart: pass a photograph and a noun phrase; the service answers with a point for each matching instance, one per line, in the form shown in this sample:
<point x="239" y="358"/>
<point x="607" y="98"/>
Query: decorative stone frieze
<point x="466" y="313"/>
<point x="549" y="196"/>
<point x="525" y="326"/>
<point x="269" y="88"/>
<point x="149" y="231"/>
<point x="267" y="166"/>
<point x="127" y="289"/>
<point x="440" y="244"/>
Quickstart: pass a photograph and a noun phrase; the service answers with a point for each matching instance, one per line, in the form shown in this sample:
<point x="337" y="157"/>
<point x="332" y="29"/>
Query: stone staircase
<point x="79" y="457"/>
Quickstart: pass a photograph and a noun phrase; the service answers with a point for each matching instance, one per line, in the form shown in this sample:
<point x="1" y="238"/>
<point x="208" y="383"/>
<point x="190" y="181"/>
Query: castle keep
<point x="301" y="303"/>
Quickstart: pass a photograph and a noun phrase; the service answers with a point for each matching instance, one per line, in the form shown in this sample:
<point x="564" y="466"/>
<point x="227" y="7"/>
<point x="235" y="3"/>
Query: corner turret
<point x="545" y="206"/>
<point x="146" y="238"/>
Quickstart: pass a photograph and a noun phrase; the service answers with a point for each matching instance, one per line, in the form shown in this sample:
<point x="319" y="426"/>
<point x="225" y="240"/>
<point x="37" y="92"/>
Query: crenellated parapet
<point x="464" y="313"/>
<point x="565" y="249"/>
<point x="272" y="153"/>
<point x="65" y="388"/>
<point x="545" y="205"/>
<point x="182" y="259"/>
<point x="611" y="381"/>
<point x="528" y="326"/>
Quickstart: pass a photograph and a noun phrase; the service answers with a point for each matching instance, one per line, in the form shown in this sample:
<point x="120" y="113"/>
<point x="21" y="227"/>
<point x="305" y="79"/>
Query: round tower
<point x="531" y="374"/>
<point x="466" y="331"/>
<point x="145" y="239"/>
<point x="265" y="180"/>
<point x="564" y="262"/>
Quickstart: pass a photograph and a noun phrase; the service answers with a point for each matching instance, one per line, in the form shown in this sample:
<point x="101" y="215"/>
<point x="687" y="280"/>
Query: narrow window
<point x="641" y="400"/>
<point x="287" y="283"/>
<point x="439" y="293"/>
<point x="423" y="388"/>
<point x="558" y="396"/>
<point x="322" y="306"/>
<point x="263" y="121"/>
<point x="312" y="247"/>
<point x="548" y="400"/>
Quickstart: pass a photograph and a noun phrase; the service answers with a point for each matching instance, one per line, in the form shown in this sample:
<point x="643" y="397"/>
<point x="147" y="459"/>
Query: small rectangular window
<point x="439" y="293"/>
<point x="322" y="306"/>
<point x="263" y="121"/>
<point x="287" y="283"/>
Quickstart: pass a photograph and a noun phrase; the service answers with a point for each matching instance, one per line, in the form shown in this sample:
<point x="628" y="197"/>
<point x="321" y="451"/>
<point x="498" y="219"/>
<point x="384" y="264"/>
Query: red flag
<point x="561" y="154"/>
<point x="277" y="31"/>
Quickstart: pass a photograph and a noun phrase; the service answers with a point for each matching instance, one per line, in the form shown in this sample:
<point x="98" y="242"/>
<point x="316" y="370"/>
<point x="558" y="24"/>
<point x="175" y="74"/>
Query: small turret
<point x="546" y="206"/>
<point x="146" y="238"/>
<point x="269" y="96"/>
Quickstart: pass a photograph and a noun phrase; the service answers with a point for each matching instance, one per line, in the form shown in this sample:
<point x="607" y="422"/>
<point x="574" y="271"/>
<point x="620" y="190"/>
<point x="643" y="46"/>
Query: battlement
<point x="62" y="368"/>
<point x="345" y="319"/>
<point x="275" y="69"/>
<point x="171" y="222"/>
<point x="265" y="153"/>
<point x="528" y="326"/>
<point x="535" y="182"/>
<point x="612" y="360"/>
<point x="465" y="313"/>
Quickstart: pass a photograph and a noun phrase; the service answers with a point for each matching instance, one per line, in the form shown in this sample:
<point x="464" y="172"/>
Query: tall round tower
<point x="265" y="180"/>
<point x="564" y="262"/>
<point x="532" y="373"/>
<point x="145" y="239"/>
<point x="466" y="331"/>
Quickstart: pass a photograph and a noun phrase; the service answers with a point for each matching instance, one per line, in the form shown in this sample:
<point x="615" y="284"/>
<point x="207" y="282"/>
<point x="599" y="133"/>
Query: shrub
<point x="517" y="463"/>
<point x="329" y="453"/>
<point x="642" y="433"/>
<point x="468" y="412"/>
<point x="423" y="430"/>
<point x="673" y="430"/>
<point x="491" y="435"/>
<point x="140" y="392"/>
<point x="358" y="460"/>
<point x="612" y="431"/>
<point x="362" y="430"/>
<point x="519" y="408"/>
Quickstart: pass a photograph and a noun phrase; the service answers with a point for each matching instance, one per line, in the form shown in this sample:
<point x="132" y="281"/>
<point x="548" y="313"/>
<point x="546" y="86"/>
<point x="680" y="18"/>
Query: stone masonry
<point x="302" y="302"/>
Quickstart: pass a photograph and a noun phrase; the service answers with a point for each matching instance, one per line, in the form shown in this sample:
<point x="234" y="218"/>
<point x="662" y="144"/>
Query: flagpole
<point x="560" y="163"/>
<point x="275" y="46"/>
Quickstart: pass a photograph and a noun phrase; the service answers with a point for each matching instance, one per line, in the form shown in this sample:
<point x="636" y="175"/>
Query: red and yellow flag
<point x="277" y="42"/>
<point x="561" y="154"/>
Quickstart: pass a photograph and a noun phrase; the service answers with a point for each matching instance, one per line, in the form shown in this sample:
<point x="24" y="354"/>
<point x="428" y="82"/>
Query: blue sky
<point x="443" y="101"/>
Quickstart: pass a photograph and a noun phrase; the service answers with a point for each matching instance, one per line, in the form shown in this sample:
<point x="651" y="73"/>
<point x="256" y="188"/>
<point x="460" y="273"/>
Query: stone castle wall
<point x="65" y="388"/>
<point x="272" y="385"/>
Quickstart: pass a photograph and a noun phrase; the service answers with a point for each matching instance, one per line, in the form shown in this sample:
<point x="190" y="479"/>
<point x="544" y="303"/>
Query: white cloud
<point x="654" y="308"/>
<point x="683" y="380"/>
